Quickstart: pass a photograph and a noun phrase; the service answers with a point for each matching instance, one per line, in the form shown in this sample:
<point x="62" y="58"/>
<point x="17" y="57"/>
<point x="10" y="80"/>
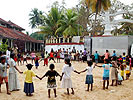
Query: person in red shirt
<point x="52" y="55"/>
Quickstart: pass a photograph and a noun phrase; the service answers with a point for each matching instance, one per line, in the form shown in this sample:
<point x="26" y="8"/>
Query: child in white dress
<point x="66" y="76"/>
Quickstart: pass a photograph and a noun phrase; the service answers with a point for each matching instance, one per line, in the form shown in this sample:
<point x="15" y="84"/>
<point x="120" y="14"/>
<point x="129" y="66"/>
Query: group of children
<point x="123" y="64"/>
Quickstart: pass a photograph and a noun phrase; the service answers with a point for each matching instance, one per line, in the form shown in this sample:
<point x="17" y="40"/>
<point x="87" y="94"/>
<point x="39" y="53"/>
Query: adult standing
<point x="13" y="79"/>
<point x="8" y="53"/>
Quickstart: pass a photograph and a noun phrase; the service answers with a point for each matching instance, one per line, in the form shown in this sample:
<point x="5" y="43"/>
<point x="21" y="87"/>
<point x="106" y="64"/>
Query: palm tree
<point x="96" y="6"/>
<point x="50" y="27"/>
<point x="68" y="24"/>
<point x="35" y="18"/>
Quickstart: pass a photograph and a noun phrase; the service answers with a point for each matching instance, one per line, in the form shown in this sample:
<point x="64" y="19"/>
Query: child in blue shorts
<point x="106" y="67"/>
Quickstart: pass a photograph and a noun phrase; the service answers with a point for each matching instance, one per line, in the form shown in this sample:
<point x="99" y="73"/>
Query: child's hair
<point x="96" y="51"/>
<point x="67" y="60"/>
<point x="29" y="66"/>
<point x="107" y="61"/>
<point x="2" y="58"/>
<point x="12" y="56"/>
<point x="107" y="51"/>
<point x="124" y="53"/>
<point x="89" y="63"/>
<point x="114" y="51"/>
<point x="127" y="63"/>
<point x="51" y="66"/>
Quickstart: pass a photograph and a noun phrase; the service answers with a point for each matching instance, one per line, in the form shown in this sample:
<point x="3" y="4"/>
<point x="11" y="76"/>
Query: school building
<point x="13" y="35"/>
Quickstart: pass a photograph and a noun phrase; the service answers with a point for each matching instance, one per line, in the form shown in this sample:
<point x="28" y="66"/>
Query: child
<point x="58" y="56"/>
<point x="25" y="58"/>
<point x="106" y="67"/>
<point x="3" y="74"/>
<point x="33" y="55"/>
<point x="19" y="58"/>
<point x="114" y="72"/>
<point x="89" y="76"/>
<point x="119" y="79"/>
<point x="122" y="69"/>
<point x="46" y="59"/>
<point x="127" y="70"/>
<point x="52" y="56"/>
<point x="36" y="62"/>
<point x="66" y="76"/>
<point x="80" y="55"/>
<point x="124" y="57"/>
<point x="28" y="85"/>
<point x="51" y="83"/>
<point x="96" y="55"/>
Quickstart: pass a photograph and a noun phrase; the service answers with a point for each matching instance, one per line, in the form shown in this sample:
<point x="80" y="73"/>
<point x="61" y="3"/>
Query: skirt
<point x="51" y="85"/>
<point x="66" y="83"/>
<point x="13" y="82"/>
<point x="89" y="79"/>
<point x="28" y="87"/>
<point x="122" y="72"/>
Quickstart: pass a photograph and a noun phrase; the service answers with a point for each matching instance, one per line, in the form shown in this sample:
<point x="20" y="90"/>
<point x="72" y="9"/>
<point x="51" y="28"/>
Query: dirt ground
<point x="121" y="92"/>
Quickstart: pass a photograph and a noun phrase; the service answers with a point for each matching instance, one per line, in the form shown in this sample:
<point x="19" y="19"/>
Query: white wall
<point x="56" y="47"/>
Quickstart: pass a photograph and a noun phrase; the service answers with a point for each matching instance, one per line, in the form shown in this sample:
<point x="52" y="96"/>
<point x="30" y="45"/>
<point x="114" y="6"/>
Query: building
<point x="13" y="34"/>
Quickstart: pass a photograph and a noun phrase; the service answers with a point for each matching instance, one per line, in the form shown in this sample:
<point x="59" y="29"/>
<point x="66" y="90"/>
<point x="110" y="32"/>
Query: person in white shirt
<point x="89" y="75"/>
<point x="8" y="52"/>
<point x="66" y="76"/>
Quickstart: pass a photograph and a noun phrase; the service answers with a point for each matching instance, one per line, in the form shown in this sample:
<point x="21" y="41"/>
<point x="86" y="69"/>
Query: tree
<point x="35" y="18"/>
<point x="37" y="36"/>
<point x="67" y="25"/>
<point x="96" y="6"/>
<point x="51" y="20"/>
<point x="3" y="46"/>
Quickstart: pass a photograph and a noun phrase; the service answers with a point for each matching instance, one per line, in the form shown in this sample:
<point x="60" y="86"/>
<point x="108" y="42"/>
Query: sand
<point x="123" y="92"/>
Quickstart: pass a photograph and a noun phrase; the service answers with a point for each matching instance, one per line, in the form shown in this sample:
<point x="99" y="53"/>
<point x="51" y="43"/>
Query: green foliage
<point x="36" y="18"/>
<point x="3" y="46"/>
<point x="37" y="36"/>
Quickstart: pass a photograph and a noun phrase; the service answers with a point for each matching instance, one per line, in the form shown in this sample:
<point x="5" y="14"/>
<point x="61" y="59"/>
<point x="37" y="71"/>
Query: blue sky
<point x="18" y="10"/>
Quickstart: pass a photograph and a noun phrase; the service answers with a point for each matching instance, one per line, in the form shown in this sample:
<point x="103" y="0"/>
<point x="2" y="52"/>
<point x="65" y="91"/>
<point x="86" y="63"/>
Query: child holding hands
<point x="28" y="85"/>
<point x="66" y="76"/>
<point x="89" y="76"/>
<point x="51" y="83"/>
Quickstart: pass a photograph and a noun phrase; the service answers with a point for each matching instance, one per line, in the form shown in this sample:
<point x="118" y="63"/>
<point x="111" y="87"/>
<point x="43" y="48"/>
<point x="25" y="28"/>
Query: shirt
<point x="29" y="74"/>
<point x="67" y="70"/>
<point x="51" y="75"/>
<point x="96" y="55"/>
<point x="33" y="55"/>
<point x="106" y="55"/>
<point x="114" y="55"/>
<point x="51" y="54"/>
<point x="12" y="63"/>
<point x="124" y="58"/>
<point x="3" y="70"/>
<point x="89" y="70"/>
<point x="106" y="69"/>
<point x="8" y="54"/>
<point x="127" y="68"/>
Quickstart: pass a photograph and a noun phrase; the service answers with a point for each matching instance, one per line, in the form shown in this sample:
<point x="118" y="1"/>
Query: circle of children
<point x="11" y="57"/>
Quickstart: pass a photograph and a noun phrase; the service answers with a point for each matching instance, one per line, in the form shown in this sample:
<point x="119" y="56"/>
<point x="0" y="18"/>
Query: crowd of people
<point x="9" y="59"/>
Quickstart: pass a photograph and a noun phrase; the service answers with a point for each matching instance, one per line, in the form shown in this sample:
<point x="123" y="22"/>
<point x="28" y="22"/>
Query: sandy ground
<point x="123" y="92"/>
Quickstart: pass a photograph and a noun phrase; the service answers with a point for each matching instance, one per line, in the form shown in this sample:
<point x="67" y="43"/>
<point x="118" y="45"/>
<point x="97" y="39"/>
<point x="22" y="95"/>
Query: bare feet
<point x="8" y="93"/>
<point x="30" y="94"/>
<point x="55" y="96"/>
<point x="87" y="90"/>
<point x="106" y="87"/>
<point x="72" y="93"/>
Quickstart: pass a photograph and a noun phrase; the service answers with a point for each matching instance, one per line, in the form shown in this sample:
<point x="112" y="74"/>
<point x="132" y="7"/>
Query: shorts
<point x="3" y="78"/>
<point x="105" y="78"/>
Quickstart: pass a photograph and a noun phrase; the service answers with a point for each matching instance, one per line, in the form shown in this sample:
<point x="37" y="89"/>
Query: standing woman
<point x="13" y="80"/>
